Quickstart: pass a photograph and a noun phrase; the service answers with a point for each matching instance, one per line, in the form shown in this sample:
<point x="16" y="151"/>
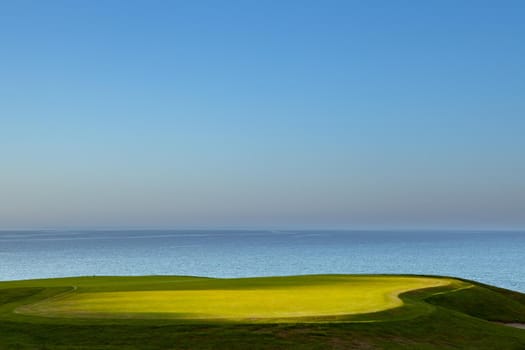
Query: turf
<point x="241" y="300"/>
<point x="429" y="313"/>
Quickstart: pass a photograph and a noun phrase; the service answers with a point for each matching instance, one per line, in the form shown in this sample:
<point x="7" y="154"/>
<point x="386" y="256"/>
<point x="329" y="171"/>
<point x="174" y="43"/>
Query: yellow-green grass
<point x="239" y="299"/>
<point x="453" y="315"/>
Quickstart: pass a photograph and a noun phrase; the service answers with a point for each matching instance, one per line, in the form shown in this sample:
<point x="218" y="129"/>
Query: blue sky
<point x="340" y="114"/>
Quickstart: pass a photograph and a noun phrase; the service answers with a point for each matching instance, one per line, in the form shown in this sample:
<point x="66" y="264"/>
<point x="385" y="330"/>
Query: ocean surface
<point x="496" y="258"/>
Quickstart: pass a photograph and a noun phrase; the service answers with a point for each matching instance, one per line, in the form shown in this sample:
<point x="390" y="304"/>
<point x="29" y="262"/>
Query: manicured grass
<point x="270" y="299"/>
<point x="73" y="313"/>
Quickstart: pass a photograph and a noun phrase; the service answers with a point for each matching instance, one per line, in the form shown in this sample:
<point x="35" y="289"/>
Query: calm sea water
<point x="496" y="258"/>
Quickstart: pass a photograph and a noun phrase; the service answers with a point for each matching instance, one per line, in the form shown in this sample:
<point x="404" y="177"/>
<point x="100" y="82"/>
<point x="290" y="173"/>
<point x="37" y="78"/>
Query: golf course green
<point x="241" y="299"/>
<point x="378" y="311"/>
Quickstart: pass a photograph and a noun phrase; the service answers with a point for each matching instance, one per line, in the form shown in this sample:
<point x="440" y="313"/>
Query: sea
<point x="496" y="258"/>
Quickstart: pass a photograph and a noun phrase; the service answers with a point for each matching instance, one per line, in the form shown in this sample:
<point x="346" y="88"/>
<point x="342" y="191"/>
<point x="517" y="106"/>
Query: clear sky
<point x="340" y="114"/>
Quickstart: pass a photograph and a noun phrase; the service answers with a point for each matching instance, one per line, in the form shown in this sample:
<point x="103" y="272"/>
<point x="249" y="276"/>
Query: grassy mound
<point x="298" y="312"/>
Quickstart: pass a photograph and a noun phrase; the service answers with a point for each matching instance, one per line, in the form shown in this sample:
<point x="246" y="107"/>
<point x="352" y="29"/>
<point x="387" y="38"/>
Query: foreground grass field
<point x="298" y="312"/>
<point x="264" y="299"/>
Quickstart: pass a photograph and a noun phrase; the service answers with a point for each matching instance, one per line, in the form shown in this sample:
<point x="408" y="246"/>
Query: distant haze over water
<point x="490" y="257"/>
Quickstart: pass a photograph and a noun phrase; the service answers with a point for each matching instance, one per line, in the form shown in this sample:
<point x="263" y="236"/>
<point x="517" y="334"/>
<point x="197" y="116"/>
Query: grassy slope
<point x="427" y="321"/>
